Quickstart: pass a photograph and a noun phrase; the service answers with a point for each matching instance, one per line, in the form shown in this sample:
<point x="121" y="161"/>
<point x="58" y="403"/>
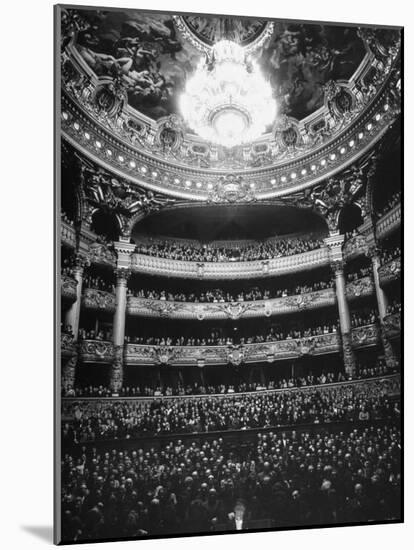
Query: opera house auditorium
<point x="230" y="259"/>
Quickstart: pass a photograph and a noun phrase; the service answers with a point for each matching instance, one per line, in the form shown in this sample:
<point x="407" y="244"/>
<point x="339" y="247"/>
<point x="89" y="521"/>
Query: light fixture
<point x="227" y="101"/>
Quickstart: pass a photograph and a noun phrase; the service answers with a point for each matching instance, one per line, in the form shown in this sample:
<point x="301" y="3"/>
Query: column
<point x="124" y="251"/>
<point x="334" y="244"/>
<point x="382" y="301"/>
<point x="73" y="313"/>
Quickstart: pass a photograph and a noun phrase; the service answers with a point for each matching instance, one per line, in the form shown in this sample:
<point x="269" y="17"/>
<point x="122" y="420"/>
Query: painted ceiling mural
<point x="153" y="59"/>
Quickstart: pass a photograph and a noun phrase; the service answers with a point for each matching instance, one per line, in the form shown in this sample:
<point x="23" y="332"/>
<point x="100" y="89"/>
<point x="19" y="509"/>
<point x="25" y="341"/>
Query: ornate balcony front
<point x="146" y="307"/>
<point x="360" y="287"/>
<point x="96" y="351"/>
<point x="68" y="288"/>
<point x="152" y="265"/>
<point x="136" y="354"/>
<point x="98" y="300"/>
<point x="389" y="222"/>
<point x="392" y="325"/>
<point x="67" y="345"/>
<point x="390" y="271"/>
<point x="365" y="336"/>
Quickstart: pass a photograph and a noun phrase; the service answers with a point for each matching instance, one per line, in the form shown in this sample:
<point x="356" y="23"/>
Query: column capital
<point x="122" y="274"/>
<point x="338" y="266"/>
<point x="124" y="250"/>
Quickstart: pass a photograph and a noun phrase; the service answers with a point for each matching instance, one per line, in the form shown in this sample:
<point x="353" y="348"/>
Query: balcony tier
<point x="152" y="265"/>
<point x="390" y="382"/>
<point x="94" y="351"/>
<point x="390" y="271"/>
<point x="148" y="307"/>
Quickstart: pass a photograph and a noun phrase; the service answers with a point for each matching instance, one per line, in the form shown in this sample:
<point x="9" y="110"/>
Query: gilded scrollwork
<point x="238" y="354"/>
<point x="98" y="300"/>
<point x="360" y="287"/>
<point x="365" y="336"/>
<point x="96" y="351"/>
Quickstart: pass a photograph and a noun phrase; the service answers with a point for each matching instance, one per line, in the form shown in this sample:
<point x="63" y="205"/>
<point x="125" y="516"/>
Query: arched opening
<point x="350" y="218"/>
<point x="105" y="225"/>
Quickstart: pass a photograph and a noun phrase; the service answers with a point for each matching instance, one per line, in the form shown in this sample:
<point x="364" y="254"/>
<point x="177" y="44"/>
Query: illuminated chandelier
<point x="228" y="101"/>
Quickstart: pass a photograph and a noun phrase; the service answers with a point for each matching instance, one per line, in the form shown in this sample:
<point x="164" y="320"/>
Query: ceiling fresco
<point x="153" y="59"/>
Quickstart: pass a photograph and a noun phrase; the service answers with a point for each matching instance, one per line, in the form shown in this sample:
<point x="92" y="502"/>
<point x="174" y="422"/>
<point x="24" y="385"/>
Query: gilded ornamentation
<point x="117" y="370"/>
<point x="365" y="336"/>
<point x="392" y="325"/>
<point x="96" y="351"/>
<point x="99" y="253"/>
<point x="390" y="271"/>
<point x="348" y="354"/>
<point x="68" y="287"/>
<point x="136" y="354"/>
<point x="98" y="299"/>
<point x="231" y="189"/>
<point x="360" y="287"/>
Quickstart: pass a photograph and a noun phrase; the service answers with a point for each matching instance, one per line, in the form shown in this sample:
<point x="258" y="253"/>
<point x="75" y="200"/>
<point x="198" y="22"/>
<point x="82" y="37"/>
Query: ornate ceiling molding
<point x="355" y="116"/>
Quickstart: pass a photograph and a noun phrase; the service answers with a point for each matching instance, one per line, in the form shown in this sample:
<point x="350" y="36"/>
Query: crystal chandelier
<point x="228" y="101"/>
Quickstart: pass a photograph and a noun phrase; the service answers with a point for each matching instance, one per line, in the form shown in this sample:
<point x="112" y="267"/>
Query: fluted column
<point x="124" y="251"/>
<point x="334" y="244"/>
<point x="382" y="301"/>
<point x="73" y="314"/>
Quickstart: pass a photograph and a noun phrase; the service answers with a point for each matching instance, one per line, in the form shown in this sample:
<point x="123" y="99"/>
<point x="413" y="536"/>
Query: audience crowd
<point x="290" y="479"/>
<point x="204" y="253"/>
<point x="126" y="419"/>
<point x="229" y="388"/>
<point x="216" y="339"/>
<point x="218" y="295"/>
<point x="393" y="201"/>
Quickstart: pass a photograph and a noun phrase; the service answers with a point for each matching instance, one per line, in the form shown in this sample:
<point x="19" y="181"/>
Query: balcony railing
<point x="390" y="271"/>
<point x="229" y="270"/>
<point x="148" y="307"/>
<point x="96" y="351"/>
<point x="98" y="300"/>
<point x="68" y="287"/>
<point x="389" y="222"/>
